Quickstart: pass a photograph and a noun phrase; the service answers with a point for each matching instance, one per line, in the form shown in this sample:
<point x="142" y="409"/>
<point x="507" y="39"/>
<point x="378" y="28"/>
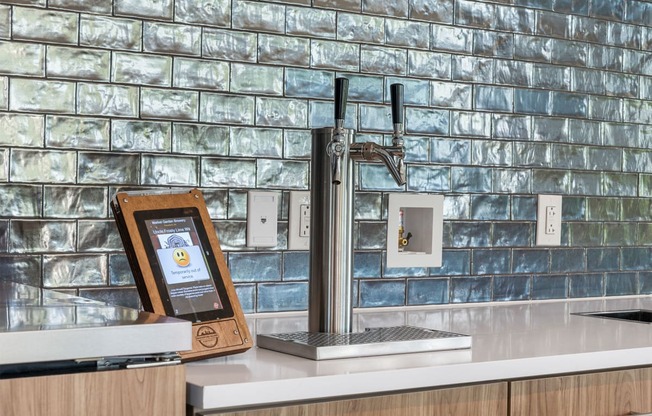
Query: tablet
<point x="179" y="268"/>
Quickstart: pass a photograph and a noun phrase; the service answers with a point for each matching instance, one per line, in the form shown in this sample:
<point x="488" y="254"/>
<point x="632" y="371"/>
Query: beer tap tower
<point x="330" y="318"/>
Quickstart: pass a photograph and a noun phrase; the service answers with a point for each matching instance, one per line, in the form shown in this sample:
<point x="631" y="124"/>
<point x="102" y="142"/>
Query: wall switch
<point x="299" y="216"/>
<point x="549" y="220"/>
<point x="262" y="214"/>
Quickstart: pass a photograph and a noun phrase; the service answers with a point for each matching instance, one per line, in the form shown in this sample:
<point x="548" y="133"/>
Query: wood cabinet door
<point x="611" y="393"/>
<point x="480" y="400"/>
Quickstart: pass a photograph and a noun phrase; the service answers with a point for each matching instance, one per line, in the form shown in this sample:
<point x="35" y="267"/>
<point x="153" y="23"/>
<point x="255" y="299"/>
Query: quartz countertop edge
<point x="511" y="340"/>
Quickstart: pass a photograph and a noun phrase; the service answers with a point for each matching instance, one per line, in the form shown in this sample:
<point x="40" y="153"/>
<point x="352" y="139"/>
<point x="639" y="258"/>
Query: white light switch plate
<point x="262" y="214"/>
<point x="549" y="220"/>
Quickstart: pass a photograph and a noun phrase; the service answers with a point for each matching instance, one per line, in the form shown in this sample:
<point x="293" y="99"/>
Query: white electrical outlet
<point x="262" y="222"/>
<point x="549" y="220"/>
<point x="299" y="218"/>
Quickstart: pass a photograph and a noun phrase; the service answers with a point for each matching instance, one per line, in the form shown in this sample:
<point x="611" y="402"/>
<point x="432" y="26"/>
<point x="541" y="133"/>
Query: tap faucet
<point x="392" y="156"/>
<point x="331" y="220"/>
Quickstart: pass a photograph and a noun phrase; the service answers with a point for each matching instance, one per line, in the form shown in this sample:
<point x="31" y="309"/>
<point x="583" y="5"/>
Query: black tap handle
<point x="397" y="103"/>
<point x="341" y="94"/>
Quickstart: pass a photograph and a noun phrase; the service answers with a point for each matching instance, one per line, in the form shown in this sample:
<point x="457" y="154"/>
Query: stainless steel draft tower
<point x="331" y="248"/>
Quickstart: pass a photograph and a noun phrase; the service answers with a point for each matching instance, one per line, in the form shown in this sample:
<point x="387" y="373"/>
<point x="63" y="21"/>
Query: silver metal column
<point x="331" y="239"/>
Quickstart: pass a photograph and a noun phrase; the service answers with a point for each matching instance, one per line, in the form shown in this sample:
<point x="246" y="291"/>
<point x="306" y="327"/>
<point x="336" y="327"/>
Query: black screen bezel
<point x="193" y="213"/>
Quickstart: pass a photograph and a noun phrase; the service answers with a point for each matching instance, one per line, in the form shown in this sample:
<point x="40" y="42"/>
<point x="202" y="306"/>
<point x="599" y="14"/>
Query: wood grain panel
<point x="481" y="400"/>
<point x="159" y="391"/>
<point x="612" y="393"/>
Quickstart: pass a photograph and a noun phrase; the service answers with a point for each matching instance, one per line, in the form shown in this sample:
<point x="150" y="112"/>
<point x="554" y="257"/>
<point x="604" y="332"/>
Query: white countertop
<point x="510" y="340"/>
<point x="40" y="325"/>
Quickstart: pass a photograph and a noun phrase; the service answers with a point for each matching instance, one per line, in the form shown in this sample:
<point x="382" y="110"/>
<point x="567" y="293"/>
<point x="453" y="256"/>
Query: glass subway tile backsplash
<point x="505" y="99"/>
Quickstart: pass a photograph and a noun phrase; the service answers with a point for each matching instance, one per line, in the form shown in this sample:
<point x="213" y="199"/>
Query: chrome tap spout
<point x="391" y="156"/>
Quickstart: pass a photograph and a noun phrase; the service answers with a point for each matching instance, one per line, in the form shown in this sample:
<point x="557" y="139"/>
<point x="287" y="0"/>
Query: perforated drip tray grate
<point x="371" y="342"/>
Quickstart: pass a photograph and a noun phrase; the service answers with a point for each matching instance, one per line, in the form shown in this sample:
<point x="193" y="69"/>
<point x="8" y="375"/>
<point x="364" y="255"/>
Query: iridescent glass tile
<point x="98" y="236"/>
<point x="52" y="27"/>
<point x="376" y="177"/>
<point x="428" y="178"/>
<point x="228" y="173"/>
<point x="396" y="8"/>
<point x="4" y="165"/>
<point x="74" y="271"/>
<point x="551" y="181"/>
<point x="586" y="285"/>
<point x="621" y="284"/>
<point x="473" y="69"/>
<point x="158" y="9"/>
<point x="551" y="77"/>
<point x="440" y="11"/>
<point x="532" y="48"/>
<point x="4" y="93"/>
<point x="470" y="289"/>
<point x="490" y="207"/>
<point x="512" y="180"/>
<point x="514" y="19"/>
<point x="513" y="73"/>
<point x="494" y="98"/>
<point x="255" y="267"/>
<point x="75" y="63"/>
<point x="619" y="184"/>
<point x="549" y="287"/>
<point x="621" y="85"/>
<point x="635" y="209"/>
<point x="360" y="28"/>
<point x="493" y="44"/>
<point x="107" y="100"/>
<point x="637" y="160"/>
<point x="375" y="293"/>
<point x="457" y="207"/>
<point x="469" y="13"/>
<point x="219" y="108"/>
<point x="249" y="142"/>
<point x="42" y="236"/>
<point x="93" y="6"/>
<point x="491" y="262"/>
<point x="407" y="34"/>
<point x="75" y="202"/>
<point x="589" y="30"/>
<point x="247" y="296"/>
<point x="586" y="234"/>
<point x="604" y="108"/>
<point x="140" y="136"/>
<point x="628" y="36"/>
<point x="511" y="288"/>
<point x="42" y="166"/>
<point x="297" y="144"/>
<point x="429" y="64"/>
<point x="602" y="259"/>
<point x="120" y="271"/>
<point x="42" y="96"/>
<point x="229" y="45"/>
<point x="252" y="79"/>
<point x="21" y="130"/>
<point x="453" y="39"/>
<point x="310" y="22"/>
<point x="367" y="206"/>
<point x="309" y="83"/>
<point x="550" y="129"/>
<point x="603" y="57"/>
<point x="512" y="234"/>
<point x="427" y="291"/>
<point x="211" y="12"/>
<point x="382" y="60"/>
<point x="471" y="179"/>
<point x="375" y="118"/>
<point x="281" y="174"/>
<point x="608" y="9"/>
<point x="553" y="24"/>
<point x="335" y="55"/>
<point x="277" y="297"/>
<point x="109" y="32"/>
<point x="450" y="94"/>
<point x="417" y="149"/>
<point x="131" y="68"/>
<point x="470" y="124"/>
<point x="586" y="183"/>
<point x="171" y="38"/>
<point x="451" y="151"/>
<point x="169" y="104"/>
<point x="321" y="115"/>
<point x="616" y="134"/>
<point x="283" y="50"/>
<point x="169" y="170"/>
<point x="200" y="139"/>
<point x="21" y="200"/>
<point x="281" y="112"/>
<point x="102" y="168"/>
<point x="5" y="22"/>
<point x="427" y="121"/>
<point x="232" y="235"/>
<point x="260" y="17"/>
<point x="498" y="153"/>
<point x="511" y="127"/>
<point x="569" y="53"/>
<point x="570" y="157"/>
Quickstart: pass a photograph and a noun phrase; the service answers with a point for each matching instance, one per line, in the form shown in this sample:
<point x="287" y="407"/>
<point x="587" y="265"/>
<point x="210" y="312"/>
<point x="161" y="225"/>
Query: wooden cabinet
<point x="480" y="400"/>
<point x="611" y="393"/>
<point x="159" y="391"/>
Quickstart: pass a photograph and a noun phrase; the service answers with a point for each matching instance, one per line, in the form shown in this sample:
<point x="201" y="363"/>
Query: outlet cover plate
<point x="298" y="239"/>
<point x="549" y="220"/>
<point x="262" y="218"/>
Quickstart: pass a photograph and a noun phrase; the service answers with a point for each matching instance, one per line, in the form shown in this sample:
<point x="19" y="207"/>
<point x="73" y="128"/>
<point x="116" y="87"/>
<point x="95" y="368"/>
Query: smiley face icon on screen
<point x="181" y="257"/>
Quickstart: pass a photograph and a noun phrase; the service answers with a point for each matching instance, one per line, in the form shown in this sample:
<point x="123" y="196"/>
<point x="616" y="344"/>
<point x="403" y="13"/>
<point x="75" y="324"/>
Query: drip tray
<point x="371" y="342"/>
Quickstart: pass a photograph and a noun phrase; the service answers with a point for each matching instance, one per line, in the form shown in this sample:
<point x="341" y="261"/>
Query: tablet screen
<point x="186" y="273"/>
